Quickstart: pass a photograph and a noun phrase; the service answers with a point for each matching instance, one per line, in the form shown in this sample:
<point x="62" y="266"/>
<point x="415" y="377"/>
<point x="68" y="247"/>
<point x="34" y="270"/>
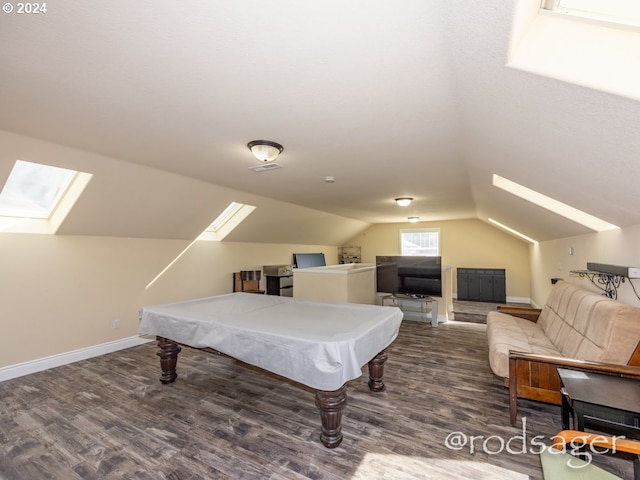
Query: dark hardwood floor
<point x="109" y="418"/>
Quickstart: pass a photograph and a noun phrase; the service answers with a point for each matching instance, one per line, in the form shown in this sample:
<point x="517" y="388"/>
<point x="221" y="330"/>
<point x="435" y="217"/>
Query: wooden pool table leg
<point x="168" y="352"/>
<point x="376" y="372"/>
<point x="331" y="404"/>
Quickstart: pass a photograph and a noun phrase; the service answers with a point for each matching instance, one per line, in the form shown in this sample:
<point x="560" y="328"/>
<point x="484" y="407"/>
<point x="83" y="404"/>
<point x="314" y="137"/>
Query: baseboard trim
<point x="45" y="363"/>
<point x="525" y="300"/>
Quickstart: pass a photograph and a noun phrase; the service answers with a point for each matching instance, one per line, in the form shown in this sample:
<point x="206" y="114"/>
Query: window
<point x="585" y="42"/>
<point x="224" y="223"/>
<point x="616" y="11"/>
<point x="420" y="241"/>
<point x="511" y="230"/>
<point x="34" y="190"/>
<point x="36" y="198"/>
<point x="553" y="205"/>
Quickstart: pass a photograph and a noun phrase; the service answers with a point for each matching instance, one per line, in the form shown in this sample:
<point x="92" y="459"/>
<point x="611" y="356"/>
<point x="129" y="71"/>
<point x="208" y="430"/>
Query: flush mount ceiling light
<point x="404" y="201"/>
<point x="414" y="219"/>
<point x="264" y="150"/>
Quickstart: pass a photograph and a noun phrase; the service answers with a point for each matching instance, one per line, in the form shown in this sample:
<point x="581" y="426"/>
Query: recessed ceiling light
<point x="329" y="180"/>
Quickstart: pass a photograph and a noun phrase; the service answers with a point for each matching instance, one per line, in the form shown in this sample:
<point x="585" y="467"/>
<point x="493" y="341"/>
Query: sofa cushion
<point x="587" y="326"/>
<point x="505" y="333"/>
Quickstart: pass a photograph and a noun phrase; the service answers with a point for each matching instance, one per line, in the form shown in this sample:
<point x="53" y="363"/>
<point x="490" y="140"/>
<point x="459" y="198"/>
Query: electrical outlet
<point x="116" y="323"/>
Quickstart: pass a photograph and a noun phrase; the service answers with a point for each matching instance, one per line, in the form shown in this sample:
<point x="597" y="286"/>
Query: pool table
<point x="319" y="344"/>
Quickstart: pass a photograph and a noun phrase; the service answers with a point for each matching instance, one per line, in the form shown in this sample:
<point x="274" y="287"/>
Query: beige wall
<point x="62" y="293"/>
<point x="552" y="260"/>
<point x="464" y="243"/>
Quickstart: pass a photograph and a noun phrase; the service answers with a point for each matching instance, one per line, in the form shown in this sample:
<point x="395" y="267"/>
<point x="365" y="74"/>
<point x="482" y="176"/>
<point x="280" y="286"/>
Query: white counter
<point x="349" y="282"/>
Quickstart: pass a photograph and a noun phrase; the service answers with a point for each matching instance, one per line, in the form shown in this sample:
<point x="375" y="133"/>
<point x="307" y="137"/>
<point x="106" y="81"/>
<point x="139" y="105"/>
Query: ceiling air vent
<point x="265" y="167"/>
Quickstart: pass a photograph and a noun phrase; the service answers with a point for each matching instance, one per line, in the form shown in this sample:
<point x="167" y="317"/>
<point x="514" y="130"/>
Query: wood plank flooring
<point x="109" y="418"/>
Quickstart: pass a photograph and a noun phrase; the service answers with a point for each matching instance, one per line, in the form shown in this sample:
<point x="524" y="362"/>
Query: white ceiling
<point x="408" y="98"/>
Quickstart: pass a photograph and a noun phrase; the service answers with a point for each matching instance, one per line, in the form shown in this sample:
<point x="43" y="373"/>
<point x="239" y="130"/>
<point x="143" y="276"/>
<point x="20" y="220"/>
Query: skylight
<point x="511" y="230"/>
<point x="616" y="11"/>
<point x="224" y="223"/>
<point x="37" y="198"/>
<point x="225" y="216"/>
<point x="34" y="190"/>
<point x="553" y="205"/>
<point x="592" y="43"/>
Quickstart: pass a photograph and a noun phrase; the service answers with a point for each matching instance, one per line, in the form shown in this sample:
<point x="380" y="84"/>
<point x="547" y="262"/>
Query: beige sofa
<point x="575" y="328"/>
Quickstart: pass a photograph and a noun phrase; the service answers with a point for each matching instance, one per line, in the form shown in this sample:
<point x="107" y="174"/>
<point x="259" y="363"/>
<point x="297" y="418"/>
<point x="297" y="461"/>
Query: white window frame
<point x="34" y="190"/>
<point x="224" y="223"/>
<point x="26" y="209"/>
<point x="406" y="250"/>
<point x="586" y="51"/>
<point x="622" y="12"/>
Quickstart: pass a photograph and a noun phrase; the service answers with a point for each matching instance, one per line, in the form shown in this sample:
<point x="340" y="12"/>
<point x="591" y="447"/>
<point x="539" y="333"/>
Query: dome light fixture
<point x="414" y="219"/>
<point x="265" y="150"/>
<point x="404" y="201"/>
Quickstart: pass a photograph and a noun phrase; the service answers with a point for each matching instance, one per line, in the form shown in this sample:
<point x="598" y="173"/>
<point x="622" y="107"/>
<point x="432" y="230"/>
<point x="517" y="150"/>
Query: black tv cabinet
<point x="482" y="284"/>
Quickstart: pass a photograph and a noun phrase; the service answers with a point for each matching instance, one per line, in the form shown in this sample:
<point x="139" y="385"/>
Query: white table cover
<point x="321" y="345"/>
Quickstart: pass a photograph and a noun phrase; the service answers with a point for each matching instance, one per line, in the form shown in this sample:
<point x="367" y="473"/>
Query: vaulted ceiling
<point x="408" y="98"/>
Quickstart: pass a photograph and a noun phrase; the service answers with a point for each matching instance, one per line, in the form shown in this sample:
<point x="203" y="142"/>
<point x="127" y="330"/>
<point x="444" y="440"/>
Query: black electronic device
<point x="409" y="275"/>
<point x="629" y="272"/>
<point x="306" y="260"/>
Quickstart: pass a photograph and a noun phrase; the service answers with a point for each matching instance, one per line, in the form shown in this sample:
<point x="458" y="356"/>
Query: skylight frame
<point x="34" y="190"/>
<point x="583" y="218"/>
<point x="221" y="226"/>
<point x="616" y="12"/>
<point x="582" y="51"/>
<point x="48" y="223"/>
<point x="513" y="231"/>
<point x="224" y="223"/>
<point x="224" y="217"/>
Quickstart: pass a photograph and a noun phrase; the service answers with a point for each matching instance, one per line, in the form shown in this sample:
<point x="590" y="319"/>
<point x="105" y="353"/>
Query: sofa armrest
<point x="571" y="437"/>
<point x="611" y="368"/>
<point x="535" y="376"/>
<point x="527" y="313"/>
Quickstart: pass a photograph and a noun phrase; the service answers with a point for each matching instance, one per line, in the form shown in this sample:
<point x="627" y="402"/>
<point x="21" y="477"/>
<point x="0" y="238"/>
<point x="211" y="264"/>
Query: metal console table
<point x="399" y="299"/>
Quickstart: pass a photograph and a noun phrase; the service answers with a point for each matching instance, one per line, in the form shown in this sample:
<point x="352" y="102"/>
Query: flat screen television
<point x="414" y="276"/>
<point x="306" y="260"/>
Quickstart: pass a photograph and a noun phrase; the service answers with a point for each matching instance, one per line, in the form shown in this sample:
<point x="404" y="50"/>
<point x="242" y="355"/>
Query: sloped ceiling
<point x="392" y="99"/>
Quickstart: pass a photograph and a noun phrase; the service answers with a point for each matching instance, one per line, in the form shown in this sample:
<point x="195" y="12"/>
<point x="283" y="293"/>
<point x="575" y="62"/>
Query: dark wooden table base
<point x="329" y="402"/>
